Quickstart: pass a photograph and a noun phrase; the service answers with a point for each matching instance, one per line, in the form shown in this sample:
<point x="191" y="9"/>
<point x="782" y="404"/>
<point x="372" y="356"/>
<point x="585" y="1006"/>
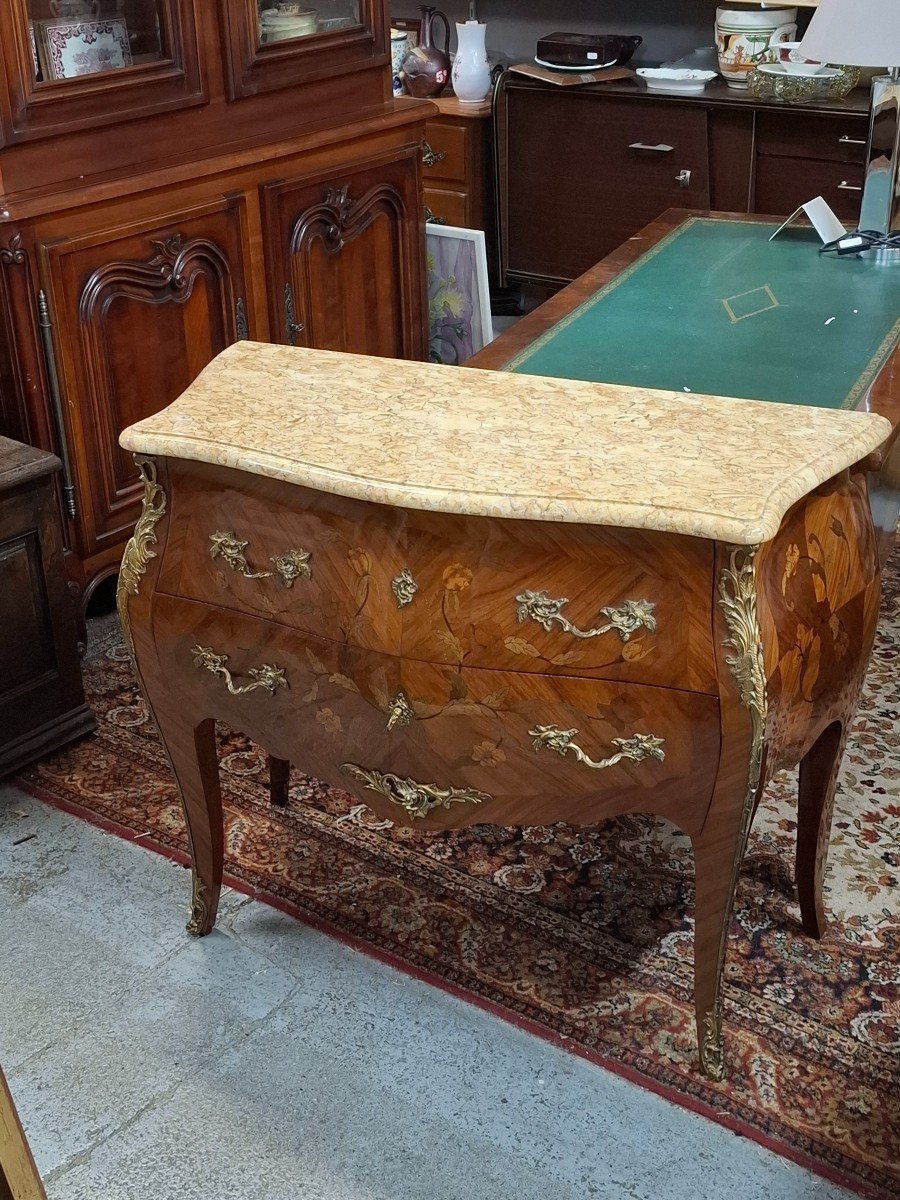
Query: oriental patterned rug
<point x="585" y="936"/>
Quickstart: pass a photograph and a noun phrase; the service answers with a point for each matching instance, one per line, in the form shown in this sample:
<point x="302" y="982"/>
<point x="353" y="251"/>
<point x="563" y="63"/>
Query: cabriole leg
<point x="818" y="782"/>
<point x="192" y="750"/>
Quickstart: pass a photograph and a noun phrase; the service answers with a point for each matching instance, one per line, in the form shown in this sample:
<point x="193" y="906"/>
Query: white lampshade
<point x="857" y="33"/>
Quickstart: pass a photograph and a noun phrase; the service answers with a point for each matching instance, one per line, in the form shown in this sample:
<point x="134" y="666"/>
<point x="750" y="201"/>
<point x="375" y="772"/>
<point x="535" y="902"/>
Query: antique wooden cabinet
<point x="175" y="176"/>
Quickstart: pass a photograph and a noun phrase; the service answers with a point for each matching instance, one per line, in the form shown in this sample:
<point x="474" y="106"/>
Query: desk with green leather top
<point x="708" y="304"/>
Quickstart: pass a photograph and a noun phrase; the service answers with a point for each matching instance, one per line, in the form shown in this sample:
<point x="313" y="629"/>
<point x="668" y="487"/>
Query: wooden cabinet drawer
<point x="490" y="737"/>
<point x="281" y="687"/>
<point x="447" y="142"/>
<point x="804" y="135"/>
<point x="450" y="207"/>
<point x="510" y="595"/>
<point x="342" y="591"/>
<point x="783" y="184"/>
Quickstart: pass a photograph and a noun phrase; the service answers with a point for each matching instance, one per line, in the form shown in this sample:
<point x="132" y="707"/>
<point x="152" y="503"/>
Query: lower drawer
<point x="783" y="184"/>
<point x="439" y="747"/>
<point x="449" y="207"/>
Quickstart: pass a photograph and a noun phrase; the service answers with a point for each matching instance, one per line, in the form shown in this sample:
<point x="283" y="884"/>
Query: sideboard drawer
<point x="524" y="749"/>
<point x="447" y="143"/>
<point x="561" y="599"/>
<point x="808" y="135"/>
<point x="320" y="563"/>
<point x="447" y="206"/>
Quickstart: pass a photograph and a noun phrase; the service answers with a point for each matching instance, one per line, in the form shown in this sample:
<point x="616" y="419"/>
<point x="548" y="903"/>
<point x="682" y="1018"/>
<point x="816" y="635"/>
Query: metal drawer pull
<point x="431" y="158"/>
<point x="266" y="676"/>
<point x="662" y="148"/>
<point x="400" y="711"/>
<point x="638" y="747"/>
<point x="291" y="566"/>
<point x="404" y="587"/>
<point x="632" y="616"/>
<point x="416" y="799"/>
<point x="849" y="141"/>
<point x="844" y="186"/>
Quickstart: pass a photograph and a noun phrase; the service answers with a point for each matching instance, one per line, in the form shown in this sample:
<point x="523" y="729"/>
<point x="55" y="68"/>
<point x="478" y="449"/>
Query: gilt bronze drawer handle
<point x="266" y="676"/>
<point x="291" y="566"/>
<point x="638" y="747"/>
<point x="416" y="799"/>
<point x="632" y="616"/>
<point x="430" y="158"/>
<point x="400" y="711"/>
<point x="404" y="587"/>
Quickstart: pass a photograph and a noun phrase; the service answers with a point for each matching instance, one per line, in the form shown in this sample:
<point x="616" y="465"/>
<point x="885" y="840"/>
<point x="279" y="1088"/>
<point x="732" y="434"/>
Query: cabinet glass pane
<point x="72" y="38"/>
<point x="286" y="20"/>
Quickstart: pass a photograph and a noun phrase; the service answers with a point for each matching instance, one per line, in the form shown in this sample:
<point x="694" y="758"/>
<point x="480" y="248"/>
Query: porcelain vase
<point x="471" y="71"/>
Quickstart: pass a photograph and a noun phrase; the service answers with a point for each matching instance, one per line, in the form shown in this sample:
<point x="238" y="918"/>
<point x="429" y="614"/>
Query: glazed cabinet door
<point x="77" y="64"/>
<point x="347" y="259"/>
<point x="269" y="47"/>
<point x="131" y="316"/>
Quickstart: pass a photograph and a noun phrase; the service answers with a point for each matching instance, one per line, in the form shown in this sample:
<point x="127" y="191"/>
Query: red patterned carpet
<point x="585" y="935"/>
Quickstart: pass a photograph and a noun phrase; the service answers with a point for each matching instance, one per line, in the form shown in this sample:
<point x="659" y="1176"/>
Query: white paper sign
<point x="823" y="220"/>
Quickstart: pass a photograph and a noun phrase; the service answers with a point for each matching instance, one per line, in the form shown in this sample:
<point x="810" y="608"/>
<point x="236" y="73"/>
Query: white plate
<point x="587" y="69"/>
<point x="784" y="73"/>
<point x="675" y="79"/>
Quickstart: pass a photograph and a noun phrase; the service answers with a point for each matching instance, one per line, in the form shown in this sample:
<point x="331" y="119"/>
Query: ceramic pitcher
<point x="743" y="38"/>
<point x="426" y="69"/>
<point x="471" y="72"/>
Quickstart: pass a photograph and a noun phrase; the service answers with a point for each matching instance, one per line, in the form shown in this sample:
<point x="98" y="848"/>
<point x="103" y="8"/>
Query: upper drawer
<point x="804" y="135"/>
<point x="320" y="563"/>
<point x="615" y="604"/>
<point x="446" y="143"/>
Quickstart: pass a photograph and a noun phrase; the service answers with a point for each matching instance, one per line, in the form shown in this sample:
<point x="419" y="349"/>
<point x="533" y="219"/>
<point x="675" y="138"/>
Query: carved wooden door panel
<point x="348" y="257"/>
<point x="134" y="315"/>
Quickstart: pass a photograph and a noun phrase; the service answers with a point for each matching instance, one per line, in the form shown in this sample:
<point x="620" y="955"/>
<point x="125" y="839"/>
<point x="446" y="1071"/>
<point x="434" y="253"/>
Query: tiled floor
<point x="268" y="1061"/>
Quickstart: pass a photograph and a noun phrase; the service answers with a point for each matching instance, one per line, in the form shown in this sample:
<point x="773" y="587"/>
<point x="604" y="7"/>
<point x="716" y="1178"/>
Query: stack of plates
<point x="278" y="26"/>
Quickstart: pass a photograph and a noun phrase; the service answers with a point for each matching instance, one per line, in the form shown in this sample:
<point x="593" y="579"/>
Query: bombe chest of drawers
<point x="474" y="597"/>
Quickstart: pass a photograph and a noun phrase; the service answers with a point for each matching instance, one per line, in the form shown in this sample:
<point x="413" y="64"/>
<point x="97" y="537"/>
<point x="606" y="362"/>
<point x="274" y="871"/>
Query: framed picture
<point x="459" y="300"/>
<point x="73" y="48"/>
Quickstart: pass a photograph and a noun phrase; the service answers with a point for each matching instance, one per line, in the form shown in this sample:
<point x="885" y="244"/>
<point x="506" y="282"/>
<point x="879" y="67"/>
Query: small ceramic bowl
<point x="787" y="55"/>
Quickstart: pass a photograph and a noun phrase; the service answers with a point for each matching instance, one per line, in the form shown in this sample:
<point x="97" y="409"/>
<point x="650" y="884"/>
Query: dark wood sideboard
<point x="580" y="170"/>
<point x="42" y="702"/>
<point x="151" y="216"/>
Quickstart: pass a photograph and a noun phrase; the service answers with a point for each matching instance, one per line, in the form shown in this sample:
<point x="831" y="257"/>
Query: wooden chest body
<point x="451" y="669"/>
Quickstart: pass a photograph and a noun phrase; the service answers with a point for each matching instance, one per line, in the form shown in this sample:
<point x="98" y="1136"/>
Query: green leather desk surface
<point x="715" y="307"/>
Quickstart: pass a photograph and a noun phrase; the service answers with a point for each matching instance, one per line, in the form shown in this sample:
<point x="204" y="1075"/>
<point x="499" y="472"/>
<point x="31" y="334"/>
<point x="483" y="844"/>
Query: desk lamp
<point x="866" y="33"/>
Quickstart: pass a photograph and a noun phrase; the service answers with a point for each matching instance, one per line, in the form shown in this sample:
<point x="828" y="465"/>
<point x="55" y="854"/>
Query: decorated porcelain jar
<point x="471" y="70"/>
<point x="744" y="37"/>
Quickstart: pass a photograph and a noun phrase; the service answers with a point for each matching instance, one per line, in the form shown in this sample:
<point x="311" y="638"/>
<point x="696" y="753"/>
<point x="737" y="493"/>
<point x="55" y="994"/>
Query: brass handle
<point x="266" y="676"/>
<point x="638" y="747"/>
<point x="416" y="799"/>
<point x="632" y="616"/>
<point x="844" y="186"/>
<point x="404" y="587"/>
<point x="431" y="219"/>
<point x="290" y="566"/>
<point x="662" y="148"/>
<point x="849" y="141"/>
<point x="400" y="711"/>
<point x="431" y="157"/>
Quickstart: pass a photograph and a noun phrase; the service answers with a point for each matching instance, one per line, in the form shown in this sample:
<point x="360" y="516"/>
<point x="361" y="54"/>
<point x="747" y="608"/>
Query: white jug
<point x="471" y="72"/>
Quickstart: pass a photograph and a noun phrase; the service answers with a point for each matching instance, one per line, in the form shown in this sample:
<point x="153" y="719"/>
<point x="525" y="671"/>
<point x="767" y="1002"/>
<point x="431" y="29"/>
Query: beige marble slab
<point x="505" y="445"/>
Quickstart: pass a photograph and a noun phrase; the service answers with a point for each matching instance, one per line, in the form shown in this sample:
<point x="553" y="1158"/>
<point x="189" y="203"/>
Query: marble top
<point x="495" y="444"/>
